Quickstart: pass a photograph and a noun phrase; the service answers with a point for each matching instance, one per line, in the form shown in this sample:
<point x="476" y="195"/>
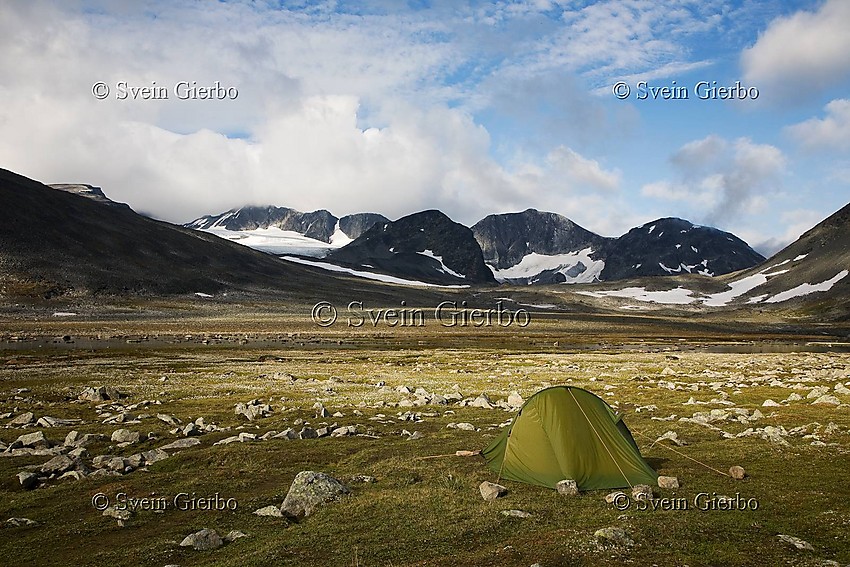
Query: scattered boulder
<point x="168" y="419"/>
<point x="673" y="437"/>
<point x="567" y="487"/>
<point x="184" y="443"/>
<point x="490" y="490"/>
<point x="154" y="455"/>
<point x="309" y="491"/>
<point x="796" y="542"/>
<point x="614" y="536"/>
<point x="827" y="400"/>
<point x="770" y="404"/>
<point x="203" y="540"/>
<point x="100" y="394"/>
<point x="736" y="472"/>
<point x="482" y="401"/>
<point x="253" y="410"/>
<point x="668" y="482"/>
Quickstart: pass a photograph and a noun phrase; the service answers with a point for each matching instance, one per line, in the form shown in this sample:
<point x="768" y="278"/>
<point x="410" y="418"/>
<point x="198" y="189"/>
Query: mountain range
<point x="529" y="247"/>
<point x="72" y="241"/>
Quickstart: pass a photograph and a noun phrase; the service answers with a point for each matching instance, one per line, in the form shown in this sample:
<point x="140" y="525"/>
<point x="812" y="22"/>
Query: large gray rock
<point x="24" y="419"/>
<point x="490" y="490"/>
<point x="203" y="540"/>
<point x="58" y="465"/>
<point x="35" y="440"/>
<point x="125" y="436"/>
<point x="309" y="491"/>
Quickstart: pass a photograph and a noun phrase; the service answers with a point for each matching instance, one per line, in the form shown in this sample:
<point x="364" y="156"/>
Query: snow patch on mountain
<point x="576" y="267"/>
<point x="807" y="288"/>
<point x="276" y="241"/>
<point x="443" y="268"/>
<point x="363" y="274"/>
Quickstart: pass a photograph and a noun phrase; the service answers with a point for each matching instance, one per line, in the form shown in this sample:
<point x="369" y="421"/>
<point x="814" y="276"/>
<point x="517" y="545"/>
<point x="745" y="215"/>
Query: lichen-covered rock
<point x="567" y="487"/>
<point x="309" y="491"/>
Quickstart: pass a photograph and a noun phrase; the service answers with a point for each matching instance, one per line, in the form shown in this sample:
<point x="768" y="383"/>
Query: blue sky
<point x="469" y="107"/>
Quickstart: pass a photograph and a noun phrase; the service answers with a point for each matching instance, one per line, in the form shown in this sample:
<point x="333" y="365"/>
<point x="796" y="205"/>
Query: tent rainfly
<point x="564" y="432"/>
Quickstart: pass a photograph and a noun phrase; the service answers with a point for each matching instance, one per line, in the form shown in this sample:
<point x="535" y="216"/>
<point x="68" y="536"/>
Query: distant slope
<point x="54" y="242"/>
<point x="426" y="246"/>
<point x="814" y="268"/>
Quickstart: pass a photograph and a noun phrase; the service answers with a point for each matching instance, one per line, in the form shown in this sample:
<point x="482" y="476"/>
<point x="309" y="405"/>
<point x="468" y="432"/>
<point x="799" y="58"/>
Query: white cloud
<point x="799" y="55"/>
<point x="721" y="180"/>
<point x="794" y="223"/>
<point x="829" y="133"/>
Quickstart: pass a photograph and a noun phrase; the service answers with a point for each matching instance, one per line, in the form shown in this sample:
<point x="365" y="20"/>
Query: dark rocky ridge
<point x="680" y="246"/>
<point x="395" y="248"/>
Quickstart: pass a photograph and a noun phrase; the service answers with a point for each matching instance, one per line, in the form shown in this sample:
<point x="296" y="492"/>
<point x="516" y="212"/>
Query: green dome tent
<point x="564" y="432"/>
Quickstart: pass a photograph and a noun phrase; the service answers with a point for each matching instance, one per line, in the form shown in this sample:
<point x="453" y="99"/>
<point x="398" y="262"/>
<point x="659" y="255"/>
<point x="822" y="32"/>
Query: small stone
<point x="273" y="511"/>
<point x="642" y="492"/>
<point x="233" y="535"/>
<point x="20" y="522"/>
<point x="613" y="497"/>
<point x="416" y="436"/>
<point x="191" y="430"/>
<point x="668" y="482"/>
<point x="795" y="542"/>
<point x="770" y="404"/>
<point x="366" y="479"/>
<point x="516" y="514"/>
<point x="168" y="419"/>
<point x="515" y="400"/>
<point x="567" y="487"/>
<point x="465" y="426"/>
<point x="490" y="490"/>
<point x="827" y="400"/>
<point x="738" y="473"/>
<point x="203" y="540"/>
<point x="615" y="536"/>
<point x="120" y="515"/>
